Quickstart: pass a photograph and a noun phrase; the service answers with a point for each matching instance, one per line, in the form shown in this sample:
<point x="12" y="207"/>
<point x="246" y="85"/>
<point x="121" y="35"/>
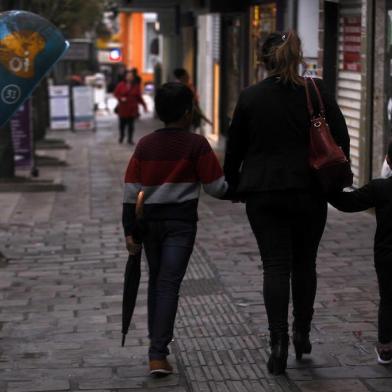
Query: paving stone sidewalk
<point x="61" y="292"/>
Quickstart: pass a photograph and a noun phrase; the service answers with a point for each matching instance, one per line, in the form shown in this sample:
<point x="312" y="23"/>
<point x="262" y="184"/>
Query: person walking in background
<point x="137" y="80"/>
<point x="169" y="165"/>
<point x="378" y="194"/>
<point x="129" y="97"/>
<point x="182" y="76"/>
<point x="267" y="161"/>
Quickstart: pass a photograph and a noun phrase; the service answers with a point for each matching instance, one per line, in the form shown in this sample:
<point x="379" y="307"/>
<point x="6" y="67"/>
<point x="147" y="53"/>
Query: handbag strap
<point x="309" y="100"/>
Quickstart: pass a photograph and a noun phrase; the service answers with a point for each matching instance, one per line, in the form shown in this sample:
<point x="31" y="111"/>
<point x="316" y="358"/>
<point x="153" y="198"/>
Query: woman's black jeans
<point x="288" y="226"/>
<point x="129" y="123"/>
<point x="384" y="276"/>
<point x="168" y="246"/>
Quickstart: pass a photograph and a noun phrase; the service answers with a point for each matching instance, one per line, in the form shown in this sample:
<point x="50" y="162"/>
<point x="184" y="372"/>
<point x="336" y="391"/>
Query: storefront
<point x="388" y="76"/>
<point x="243" y="32"/>
<point x="263" y="21"/>
<point x="234" y="74"/>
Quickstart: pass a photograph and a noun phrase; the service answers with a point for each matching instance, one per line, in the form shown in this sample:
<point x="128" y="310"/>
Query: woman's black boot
<point x="277" y="361"/>
<point x="301" y="343"/>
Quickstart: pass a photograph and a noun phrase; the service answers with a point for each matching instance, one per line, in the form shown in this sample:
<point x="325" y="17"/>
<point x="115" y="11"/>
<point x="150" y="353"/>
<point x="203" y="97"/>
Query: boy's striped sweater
<point x="170" y="165"/>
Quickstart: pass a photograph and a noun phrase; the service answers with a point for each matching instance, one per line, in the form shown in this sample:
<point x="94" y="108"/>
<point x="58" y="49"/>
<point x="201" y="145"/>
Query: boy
<point x="378" y="194"/>
<point x="169" y="165"/>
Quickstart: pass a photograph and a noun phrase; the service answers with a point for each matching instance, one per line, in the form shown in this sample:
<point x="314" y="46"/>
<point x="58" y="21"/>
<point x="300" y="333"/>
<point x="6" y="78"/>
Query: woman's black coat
<point x="268" y="140"/>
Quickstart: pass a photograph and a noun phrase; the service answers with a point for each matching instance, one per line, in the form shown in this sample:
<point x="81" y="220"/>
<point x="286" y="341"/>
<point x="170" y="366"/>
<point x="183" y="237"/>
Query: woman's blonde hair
<point x="282" y="55"/>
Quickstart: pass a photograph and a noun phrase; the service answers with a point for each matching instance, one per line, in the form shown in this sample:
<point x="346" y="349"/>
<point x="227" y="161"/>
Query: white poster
<point x="60" y="114"/>
<point x="83" y="103"/>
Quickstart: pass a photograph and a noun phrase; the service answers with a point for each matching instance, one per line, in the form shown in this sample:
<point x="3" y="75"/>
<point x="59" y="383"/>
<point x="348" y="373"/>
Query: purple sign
<point x="22" y="136"/>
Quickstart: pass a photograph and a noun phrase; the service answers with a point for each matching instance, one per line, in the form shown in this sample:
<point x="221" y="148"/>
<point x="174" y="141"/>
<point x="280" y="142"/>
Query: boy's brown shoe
<point x="384" y="353"/>
<point x="160" y="367"/>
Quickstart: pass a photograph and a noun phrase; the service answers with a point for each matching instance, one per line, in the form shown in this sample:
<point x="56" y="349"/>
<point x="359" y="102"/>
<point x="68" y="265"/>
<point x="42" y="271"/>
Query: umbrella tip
<point x="123" y="340"/>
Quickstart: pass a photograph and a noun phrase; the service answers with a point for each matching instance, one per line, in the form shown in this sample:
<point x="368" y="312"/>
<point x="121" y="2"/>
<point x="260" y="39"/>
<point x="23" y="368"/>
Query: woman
<point x="267" y="162"/>
<point x="129" y="97"/>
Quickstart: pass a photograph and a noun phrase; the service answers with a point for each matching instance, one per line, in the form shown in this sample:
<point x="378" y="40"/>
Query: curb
<point x="21" y="184"/>
<point x="48" y="161"/>
<point x="52" y="144"/>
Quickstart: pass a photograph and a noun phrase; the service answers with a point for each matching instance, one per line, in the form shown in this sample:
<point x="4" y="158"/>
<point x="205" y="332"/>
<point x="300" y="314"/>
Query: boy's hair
<point x="180" y="72"/>
<point x="389" y="152"/>
<point x="172" y="101"/>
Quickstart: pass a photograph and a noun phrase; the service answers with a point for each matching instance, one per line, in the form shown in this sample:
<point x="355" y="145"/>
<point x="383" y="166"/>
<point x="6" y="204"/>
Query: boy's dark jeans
<point x="288" y="226"/>
<point x="168" y="246"/>
<point x="384" y="274"/>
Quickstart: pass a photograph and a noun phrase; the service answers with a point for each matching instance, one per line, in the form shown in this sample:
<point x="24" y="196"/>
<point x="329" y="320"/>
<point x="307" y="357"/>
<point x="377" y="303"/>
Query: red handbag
<point x="327" y="160"/>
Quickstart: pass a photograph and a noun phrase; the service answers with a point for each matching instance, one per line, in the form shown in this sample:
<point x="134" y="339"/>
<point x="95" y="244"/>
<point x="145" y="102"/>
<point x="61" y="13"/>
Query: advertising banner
<point x="29" y="47"/>
<point x="22" y="136"/>
<point x="60" y="114"/>
<point x="83" y="104"/>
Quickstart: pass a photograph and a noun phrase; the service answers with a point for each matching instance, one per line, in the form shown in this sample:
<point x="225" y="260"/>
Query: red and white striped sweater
<point x="170" y="165"/>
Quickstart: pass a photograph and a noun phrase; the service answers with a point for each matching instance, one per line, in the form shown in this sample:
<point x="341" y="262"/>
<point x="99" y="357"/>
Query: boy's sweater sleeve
<point x="359" y="200"/>
<point x="132" y="186"/>
<point x="210" y="172"/>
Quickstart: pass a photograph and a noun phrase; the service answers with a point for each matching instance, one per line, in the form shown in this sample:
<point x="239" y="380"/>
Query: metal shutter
<point x="216" y="29"/>
<point x="349" y="83"/>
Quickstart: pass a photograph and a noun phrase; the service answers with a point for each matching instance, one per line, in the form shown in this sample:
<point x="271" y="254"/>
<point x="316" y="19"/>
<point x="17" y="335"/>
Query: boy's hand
<point x="132" y="247"/>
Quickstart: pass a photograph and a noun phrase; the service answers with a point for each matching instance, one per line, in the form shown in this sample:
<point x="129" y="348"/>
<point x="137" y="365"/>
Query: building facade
<point x="140" y="42"/>
<point x="346" y="42"/>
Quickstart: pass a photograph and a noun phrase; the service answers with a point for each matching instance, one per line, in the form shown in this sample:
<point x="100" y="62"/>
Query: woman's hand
<point x="132" y="247"/>
<point x="232" y="195"/>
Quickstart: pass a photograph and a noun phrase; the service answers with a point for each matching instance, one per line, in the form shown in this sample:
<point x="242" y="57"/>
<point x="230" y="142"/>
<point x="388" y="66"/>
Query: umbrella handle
<point x="139" y="205"/>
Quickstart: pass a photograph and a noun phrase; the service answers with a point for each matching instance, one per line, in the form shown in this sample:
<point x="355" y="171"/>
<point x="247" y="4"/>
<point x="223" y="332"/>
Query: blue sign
<point x="29" y="47"/>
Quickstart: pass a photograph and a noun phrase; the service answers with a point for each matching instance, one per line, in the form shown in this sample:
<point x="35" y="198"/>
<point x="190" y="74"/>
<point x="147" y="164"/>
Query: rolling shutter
<point x="349" y="79"/>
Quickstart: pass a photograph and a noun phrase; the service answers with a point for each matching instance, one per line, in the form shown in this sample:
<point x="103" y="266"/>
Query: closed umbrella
<point x="132" y="272"/>
<point x="131" y="287"/>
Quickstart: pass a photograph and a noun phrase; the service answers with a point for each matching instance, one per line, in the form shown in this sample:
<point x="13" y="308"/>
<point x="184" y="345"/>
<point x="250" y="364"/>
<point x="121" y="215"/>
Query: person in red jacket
<point x="129" y="97"/>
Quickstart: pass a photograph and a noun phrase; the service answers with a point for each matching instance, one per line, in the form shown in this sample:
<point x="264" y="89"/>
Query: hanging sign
<point x="29" y="47"/>
<point x="22" y="136"/>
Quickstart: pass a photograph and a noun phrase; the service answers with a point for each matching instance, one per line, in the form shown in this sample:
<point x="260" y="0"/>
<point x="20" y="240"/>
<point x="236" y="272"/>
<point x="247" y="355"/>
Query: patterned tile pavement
<point x="61" y="290"/>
